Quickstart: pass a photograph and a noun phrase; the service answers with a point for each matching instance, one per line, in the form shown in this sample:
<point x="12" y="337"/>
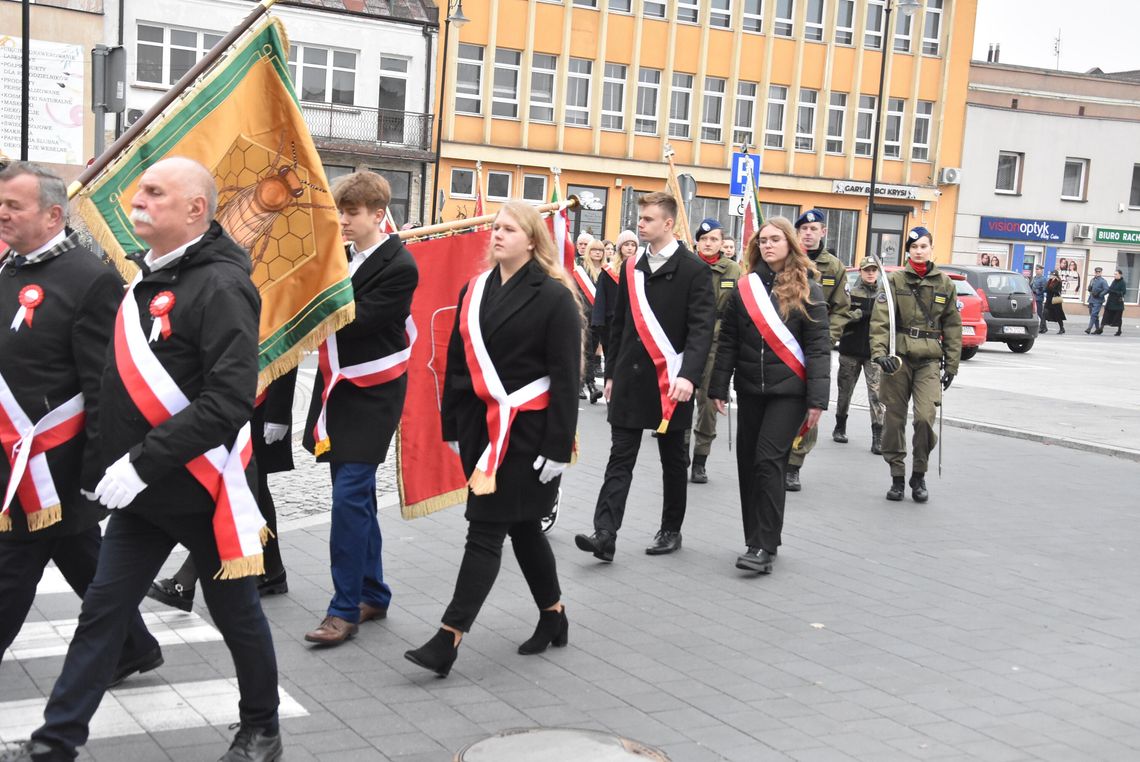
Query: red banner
<point x="429" y="474"/>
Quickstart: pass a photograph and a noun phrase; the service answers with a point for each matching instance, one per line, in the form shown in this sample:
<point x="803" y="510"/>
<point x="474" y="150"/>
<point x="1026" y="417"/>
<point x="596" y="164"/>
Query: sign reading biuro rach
<point x="1013" y="229"/>
<point x="853" y="188"/>
<point x="1116" y="235"/>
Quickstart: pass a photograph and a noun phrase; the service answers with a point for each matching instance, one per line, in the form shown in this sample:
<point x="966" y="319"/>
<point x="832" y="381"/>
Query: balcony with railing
<point x="378" y="131"/>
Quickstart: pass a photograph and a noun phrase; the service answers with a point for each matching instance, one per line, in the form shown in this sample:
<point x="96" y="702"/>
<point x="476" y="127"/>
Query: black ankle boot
<point x="438" y="654"/>
<point x="897" y="490"/>
<point x="552" y="630"/>
<point x="918" y="489"/>
<point x="839" y="434"/>
<point x="876" y="439"/>
<point x="699" y="476"/>
<point x="595" y="392"/>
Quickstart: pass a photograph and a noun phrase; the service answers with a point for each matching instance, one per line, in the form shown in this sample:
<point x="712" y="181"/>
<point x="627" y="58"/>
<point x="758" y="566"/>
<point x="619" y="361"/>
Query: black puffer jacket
<point x="759" y="370"/>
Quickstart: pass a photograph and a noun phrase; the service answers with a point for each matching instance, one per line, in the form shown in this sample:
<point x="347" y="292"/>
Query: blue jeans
<point x="355" y="542"/>
<point x="1094" y="316"/>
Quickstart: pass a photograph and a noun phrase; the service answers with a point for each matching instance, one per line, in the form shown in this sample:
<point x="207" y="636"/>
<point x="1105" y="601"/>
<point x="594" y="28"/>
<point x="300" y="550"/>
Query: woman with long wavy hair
<point x="774" y="337"/>
<point x="510" y="408"/>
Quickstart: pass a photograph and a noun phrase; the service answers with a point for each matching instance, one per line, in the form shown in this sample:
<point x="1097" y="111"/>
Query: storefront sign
<point x="852" y="188"/>
<point x="1115" y="235"/>
<point x="1013" y="229"/>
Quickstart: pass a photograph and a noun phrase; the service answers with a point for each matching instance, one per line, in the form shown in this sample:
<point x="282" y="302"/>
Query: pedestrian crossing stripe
<point x="39" y="640"/>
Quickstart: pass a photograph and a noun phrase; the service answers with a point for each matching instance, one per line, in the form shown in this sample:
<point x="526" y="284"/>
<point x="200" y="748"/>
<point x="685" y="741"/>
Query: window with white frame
<point x="903" y="27"/>
<point x="648" y="88"/>
<point x="505" y="87"/>
<point x="613" y="97"/>
<point x="745" y="113"/>
<point x="713" y="110"/>
<point x="1009" y="172"/>
<point x="469" y="79"/>
<point x="813" y="20"/>
<point x="578" y="91"/>
<point x="652" y="9"/>
<point x="784" y="18"/>
<point x="586" y="3"/>
<point x="920" y="147"/>
<point x="163" y="54"/>
<point x="892" y="140"/>
<point x="864" y="125"/>
<point x="680" y="105"/>
<point x="873" y="31"/>
<point x="462" y="183"/>
<point x="845" y="23"/>
<point x="805" y="120"/>
<point x="498" y="186"/>
<point x="543" y="70"/>
<point x="621" y="6"/>
<point x="720" y="13"/>
<point x="1075" y="182"/>
<point x="753" y="20"/>
<point x="534" y="188"/>
<point x="932" y="28"/>
<point x="774" y="129"/>
<point x="688" y="11"/>
<point x="1134" y="195"/>
<point x="323" y="75"/>
<point x="836" y="116"/>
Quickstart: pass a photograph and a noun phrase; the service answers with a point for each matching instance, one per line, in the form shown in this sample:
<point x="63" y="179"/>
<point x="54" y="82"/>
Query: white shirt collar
<point x="358" y="257"/>
<point x="59" y="238"/>
<point x="666" y="251"/>
<point x="158" y="263"/>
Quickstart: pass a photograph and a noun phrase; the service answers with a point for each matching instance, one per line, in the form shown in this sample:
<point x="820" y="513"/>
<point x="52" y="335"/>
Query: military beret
<point x="811" y="215"/>
<point x="915" y="234"/>
<point x="707" y="226"/>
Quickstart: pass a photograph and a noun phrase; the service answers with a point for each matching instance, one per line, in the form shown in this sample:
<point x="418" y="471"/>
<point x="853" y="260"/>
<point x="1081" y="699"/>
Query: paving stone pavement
<point x="993" y="623"/>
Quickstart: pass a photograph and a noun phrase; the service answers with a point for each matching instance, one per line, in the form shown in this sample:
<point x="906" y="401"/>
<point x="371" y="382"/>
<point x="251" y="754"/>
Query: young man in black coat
<point x="351" y="426"/>
<point x="642" y="392"/>
<point x="195" y="294"/>
<point x="57" y="302"/>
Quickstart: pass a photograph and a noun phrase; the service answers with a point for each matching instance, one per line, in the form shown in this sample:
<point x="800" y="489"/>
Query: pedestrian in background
<point x="586" y="277"/>
<point x="1114" y="305"/>
<point x="606" y="298"/>
<point x="1037" y="286"/>
<point x="855" y="357"/>
<point x="728" y="248"/>
<point x="775" y="338"/>
<point x="1054" y="301"/>
<point x="515" y="356"/>
<point x="1097" y="289"/>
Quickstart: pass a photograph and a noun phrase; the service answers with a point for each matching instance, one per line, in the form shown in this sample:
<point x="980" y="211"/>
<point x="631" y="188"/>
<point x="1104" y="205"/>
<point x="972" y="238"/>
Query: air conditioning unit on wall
<point x="1083" y="232"/>
<point x="950" y="176"/>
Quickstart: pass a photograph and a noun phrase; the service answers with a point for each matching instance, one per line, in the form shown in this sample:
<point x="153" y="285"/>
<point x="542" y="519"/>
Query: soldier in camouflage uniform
<point x="928" y="332"/>
<point x="812" y="229"/>
<point x="855" y="357"/>
<point x="725" y="272"/>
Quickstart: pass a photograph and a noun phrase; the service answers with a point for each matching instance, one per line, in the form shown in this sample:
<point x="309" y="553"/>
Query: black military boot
<point x="918" y="489"/>
<point x="595" y="393"/>
<point x="877" y="439"/>
<point x="792" y="479"/>
<point x="699" y="476"/>
<point x="897" y="490"/>
<point x="839" y="433"/>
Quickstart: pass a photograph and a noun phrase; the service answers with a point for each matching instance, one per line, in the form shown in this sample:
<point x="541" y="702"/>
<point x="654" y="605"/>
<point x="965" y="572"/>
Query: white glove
<point x="548" y="470"/>
<point x="275" y="432"/>
<point x="454" y="446"/>
<point x="120" y="484"/>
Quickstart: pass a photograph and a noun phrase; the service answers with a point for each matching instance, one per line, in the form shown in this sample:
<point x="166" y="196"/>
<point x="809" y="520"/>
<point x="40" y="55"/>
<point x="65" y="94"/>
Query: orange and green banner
<point x="243" y="122"/>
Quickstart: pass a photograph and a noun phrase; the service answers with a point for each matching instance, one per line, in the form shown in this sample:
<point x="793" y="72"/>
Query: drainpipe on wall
<point x="428" y="59"/>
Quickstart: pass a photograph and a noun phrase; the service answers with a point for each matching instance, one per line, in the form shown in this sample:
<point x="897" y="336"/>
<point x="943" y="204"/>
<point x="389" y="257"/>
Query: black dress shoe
<point x="601" y="543"/>
<point x="918" y="489"/>
<point x="755" y="560"/>
<point x="172" y="593"/>
<point x="664" y="542"/>
<point x="792" y="479"/>
<point x="553" y="630"/>
<point x="254" y="745"/>
<point x="438" y="654"/>
<point x="145" y="663"/>
<point x="897" y="490"/>
<point x="275" y="585"/>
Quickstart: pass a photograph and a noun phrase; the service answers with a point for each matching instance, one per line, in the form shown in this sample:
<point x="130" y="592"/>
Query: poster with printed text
<point x="55" y="130"/>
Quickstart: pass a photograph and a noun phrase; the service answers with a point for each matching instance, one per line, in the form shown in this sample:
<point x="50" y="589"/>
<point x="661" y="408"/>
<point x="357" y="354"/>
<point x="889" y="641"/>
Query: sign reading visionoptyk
<point x="1013" y="229"/>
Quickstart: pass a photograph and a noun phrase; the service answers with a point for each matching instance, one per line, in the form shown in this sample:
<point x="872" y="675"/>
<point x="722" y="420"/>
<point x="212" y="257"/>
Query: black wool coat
<point x="534" y="330"/>
<point x="211" y="354"/>
<point x="47" y="363"/>
<point x="362" y="422"/>
<point x="681" y="295"/>
<point x="277" y="407"/>
<point x="759" y="370"/>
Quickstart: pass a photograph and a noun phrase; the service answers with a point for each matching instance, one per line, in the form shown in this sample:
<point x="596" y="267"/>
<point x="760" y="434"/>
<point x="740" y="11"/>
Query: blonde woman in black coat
<point x="774" y="337"/>
<point x="517" y="344"/>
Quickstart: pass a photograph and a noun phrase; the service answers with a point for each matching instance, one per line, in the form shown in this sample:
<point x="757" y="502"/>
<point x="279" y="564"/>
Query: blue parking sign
<point x="738" y="184"/>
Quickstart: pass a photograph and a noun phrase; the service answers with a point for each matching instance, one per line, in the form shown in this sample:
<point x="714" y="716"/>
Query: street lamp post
<point x="454" y="16"/>
<point x="907" y="8"/>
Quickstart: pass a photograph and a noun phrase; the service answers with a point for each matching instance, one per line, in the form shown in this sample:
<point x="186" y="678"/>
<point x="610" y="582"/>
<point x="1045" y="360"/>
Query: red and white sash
<point x="24" y="445"/>
<point x="583" y="279"/>
<point x="666" y="360"/>
<point x="364" y="375"/>
<point x="767" y="320"/>
<point x="614" y="271"/>
<point x="501" y="406"/>
<point x="239" y="528"/>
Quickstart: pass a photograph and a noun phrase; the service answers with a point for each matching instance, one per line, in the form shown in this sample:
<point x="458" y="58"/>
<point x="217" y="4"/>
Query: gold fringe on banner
<point x="43" y="519"/>
<point x="246" y="566"/>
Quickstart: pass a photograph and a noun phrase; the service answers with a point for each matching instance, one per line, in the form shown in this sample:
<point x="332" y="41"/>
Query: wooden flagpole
<point x="461" y="226"/>
<point x="675" y="188"/>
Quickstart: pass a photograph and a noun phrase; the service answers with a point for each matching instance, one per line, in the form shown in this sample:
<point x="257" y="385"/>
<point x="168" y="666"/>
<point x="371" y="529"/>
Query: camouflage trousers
<point x="849" y="370"/>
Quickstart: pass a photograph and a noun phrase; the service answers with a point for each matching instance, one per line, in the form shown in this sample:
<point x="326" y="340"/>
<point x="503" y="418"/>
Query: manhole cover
<point x="558" y="745"/>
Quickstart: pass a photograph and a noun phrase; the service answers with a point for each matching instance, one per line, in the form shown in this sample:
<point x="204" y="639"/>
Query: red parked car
<point x="969" y="304"/>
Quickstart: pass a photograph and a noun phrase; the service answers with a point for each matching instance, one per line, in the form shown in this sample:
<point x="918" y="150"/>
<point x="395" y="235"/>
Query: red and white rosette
<point x="160" y="307"/>
<point x="31" y="296"/>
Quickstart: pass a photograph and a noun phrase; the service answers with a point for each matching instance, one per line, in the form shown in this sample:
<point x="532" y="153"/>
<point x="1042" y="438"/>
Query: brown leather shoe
<point x="369" y="612"/>
<point x="332" y="631"/>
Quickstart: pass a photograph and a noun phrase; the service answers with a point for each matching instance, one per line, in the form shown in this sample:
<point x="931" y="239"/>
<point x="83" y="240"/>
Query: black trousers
<point x="593" y="341"/>
<point x="134" y="549"/>
<point x="482" y="557"/>
<point x="766" y="428"/>
<point x="22" y="565"/>
<point x="624" y="445"/>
